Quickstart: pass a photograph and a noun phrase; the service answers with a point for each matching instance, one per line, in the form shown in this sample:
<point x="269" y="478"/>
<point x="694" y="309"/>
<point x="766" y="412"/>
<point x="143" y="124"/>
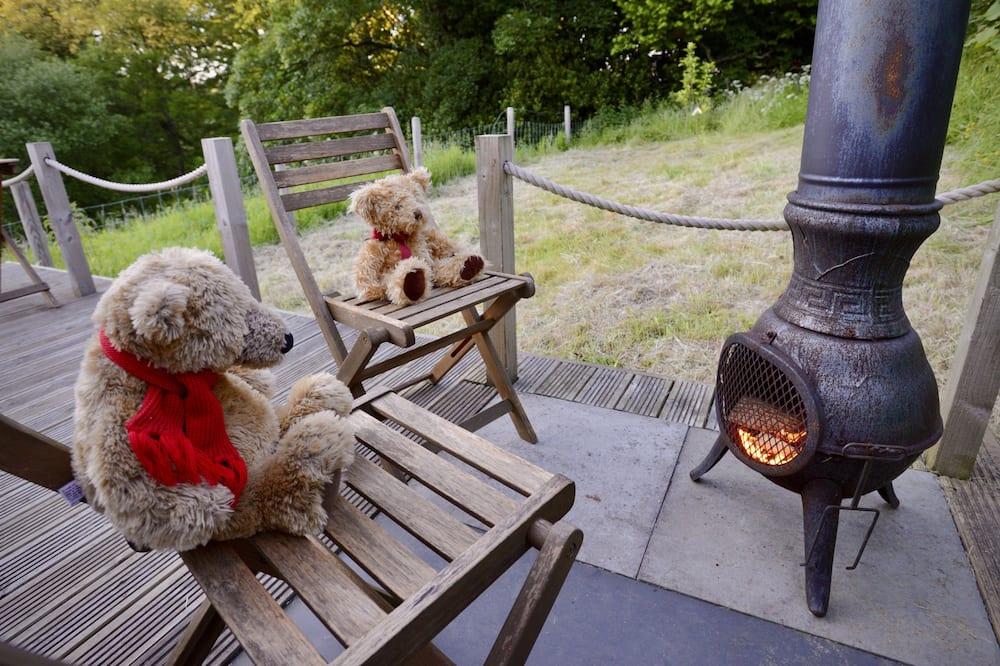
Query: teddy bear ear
<point x="158" y="311"/>
<point x="421" y="177"/>
<point x="363" y="202"/>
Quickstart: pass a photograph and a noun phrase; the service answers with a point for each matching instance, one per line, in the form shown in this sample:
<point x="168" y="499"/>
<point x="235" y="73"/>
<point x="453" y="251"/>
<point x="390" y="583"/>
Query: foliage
<point x="743" y="37"/>
<point x="696" y="79"/>
<point x="45" y="97"/>
<point x="984" y="27"/>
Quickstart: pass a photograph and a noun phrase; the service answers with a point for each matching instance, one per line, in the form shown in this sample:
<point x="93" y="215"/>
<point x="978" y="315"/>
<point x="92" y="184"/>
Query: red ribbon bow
<point x="179" y="433"/>
<point x="400" y="238"/>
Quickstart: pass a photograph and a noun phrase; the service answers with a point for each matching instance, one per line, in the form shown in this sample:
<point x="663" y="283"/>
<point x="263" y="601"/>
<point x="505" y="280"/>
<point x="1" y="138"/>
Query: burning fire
<point x="771" y="448"/>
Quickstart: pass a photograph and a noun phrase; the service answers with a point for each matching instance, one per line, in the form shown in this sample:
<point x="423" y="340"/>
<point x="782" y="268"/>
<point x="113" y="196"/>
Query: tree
<point x="47" y="99"/>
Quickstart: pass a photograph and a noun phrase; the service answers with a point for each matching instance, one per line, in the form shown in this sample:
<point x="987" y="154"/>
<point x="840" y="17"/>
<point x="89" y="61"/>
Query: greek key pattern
<point x="826" y="300"/>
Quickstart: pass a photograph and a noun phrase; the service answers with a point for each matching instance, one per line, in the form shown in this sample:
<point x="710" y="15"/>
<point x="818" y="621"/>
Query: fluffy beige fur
<point x="183" y="310"/>
<point x="397" y="205"/>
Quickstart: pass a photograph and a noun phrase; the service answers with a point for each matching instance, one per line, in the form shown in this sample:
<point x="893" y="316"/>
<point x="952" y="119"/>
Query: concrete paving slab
<point x="602" y="618"/>
<point x="621" y="464"/>
<point x="735" y="539"/>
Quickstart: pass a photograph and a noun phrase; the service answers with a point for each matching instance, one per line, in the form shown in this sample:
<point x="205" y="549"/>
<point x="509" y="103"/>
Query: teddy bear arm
<point x="285" y="491"/>
<point x="259" y="379"/>
<point x="311" y="394"/>
<point x="439" y="245"/>
<point x="373" y="262"/>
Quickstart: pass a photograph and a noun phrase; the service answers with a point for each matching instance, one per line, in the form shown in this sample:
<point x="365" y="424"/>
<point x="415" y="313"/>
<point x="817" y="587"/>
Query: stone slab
<point x="621" y="464"/>
<point x="735" y="539"/>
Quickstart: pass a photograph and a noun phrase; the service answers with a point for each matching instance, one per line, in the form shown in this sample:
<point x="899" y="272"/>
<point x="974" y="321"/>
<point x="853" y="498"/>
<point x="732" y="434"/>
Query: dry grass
<point x="632" y="294"/>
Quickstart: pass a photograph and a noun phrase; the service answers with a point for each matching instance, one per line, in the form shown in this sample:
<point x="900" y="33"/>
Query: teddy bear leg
<point x="181" y="517"/>
<point x="314" y="393"/>
<point x="407" y="283"/>
<point x="288" y="494"/>
<point x="457" y="270"/>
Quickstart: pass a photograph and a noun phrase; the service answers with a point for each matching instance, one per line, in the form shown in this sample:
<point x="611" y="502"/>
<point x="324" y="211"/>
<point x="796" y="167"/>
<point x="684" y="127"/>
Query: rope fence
<point x="697" y="222"/>
<point x="183" y="179"/>
<point x="14" y="180"/>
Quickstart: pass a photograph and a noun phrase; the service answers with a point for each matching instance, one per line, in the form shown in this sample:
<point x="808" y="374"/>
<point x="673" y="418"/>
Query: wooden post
<point x="230" y="214"/>
<point x="496" y="229"/>
<point x="38" y="240"/>
<point x="61" y="217"/>
<point x="567" y="127"/>
<point x="510" y="121"/>
<point x="418" y="142"/>
<point x="974" y="379"/>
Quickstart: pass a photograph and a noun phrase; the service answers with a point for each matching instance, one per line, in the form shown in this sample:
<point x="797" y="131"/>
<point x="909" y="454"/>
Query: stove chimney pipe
<point x="883" y="80"/>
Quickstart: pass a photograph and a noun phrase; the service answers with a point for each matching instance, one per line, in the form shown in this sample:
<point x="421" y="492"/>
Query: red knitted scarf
<point x="400" y="238"/>
<point x="179" y="433"/>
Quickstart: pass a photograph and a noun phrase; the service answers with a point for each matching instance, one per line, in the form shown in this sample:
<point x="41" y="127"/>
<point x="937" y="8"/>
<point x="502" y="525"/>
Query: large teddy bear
<point x="176" y="439"/>
<point x="406" y="251"/>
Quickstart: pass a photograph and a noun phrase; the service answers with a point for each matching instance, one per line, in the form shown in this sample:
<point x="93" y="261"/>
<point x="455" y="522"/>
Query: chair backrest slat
<point x="320" y="196"/>
<point x="296" y="129"/>
<point x="318" y="173"/>
<point x="315" y="150"/>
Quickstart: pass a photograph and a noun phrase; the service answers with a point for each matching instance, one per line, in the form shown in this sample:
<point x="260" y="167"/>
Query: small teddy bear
<point x="406" y="250"/>
<point x="175" y="436"/>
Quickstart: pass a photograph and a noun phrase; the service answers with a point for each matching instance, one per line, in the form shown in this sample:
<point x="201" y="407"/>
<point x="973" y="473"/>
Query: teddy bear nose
<point x="418" y="215"/>
<point x="289" y="341"/>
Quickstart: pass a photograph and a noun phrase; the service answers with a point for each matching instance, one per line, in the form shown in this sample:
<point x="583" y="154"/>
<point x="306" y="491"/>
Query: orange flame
<point x="771" y="448"/>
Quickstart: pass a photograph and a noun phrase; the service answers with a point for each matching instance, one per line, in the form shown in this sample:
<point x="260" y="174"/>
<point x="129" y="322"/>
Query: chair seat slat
<point x="512" y="471"/>
<point x="460" y="488"/>
<point x="316" y="150"/>
<point x="440" y="531"/>
<point x="318" y="173"/>
<point x="442" y="296"/>
<point x="376" y="551"/>
<point x="256" y="619"/>
<point x="462" y="303"/>
<point x="295" y="129"/>
<point x="326" y="584"/>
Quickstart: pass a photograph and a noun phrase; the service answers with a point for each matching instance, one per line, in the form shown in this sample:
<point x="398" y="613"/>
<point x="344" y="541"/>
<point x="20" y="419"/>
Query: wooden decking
<point x="71" y="588"/>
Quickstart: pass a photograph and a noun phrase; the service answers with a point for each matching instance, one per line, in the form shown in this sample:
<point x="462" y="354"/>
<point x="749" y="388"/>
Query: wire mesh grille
<point x="762" y="410"/>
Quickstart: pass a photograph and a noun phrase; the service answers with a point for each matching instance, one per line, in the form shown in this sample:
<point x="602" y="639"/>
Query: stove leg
<point x="714" y="456"/>
<point x="820" y="520"/>
<point x="888" y="493"/>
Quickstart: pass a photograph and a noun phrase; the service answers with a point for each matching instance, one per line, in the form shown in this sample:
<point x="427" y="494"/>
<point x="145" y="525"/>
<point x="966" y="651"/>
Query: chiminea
<point x="830" y="394"/>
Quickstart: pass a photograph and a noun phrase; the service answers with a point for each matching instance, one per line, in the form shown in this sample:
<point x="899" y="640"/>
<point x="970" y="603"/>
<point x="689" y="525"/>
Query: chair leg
<point x="496" y="373"/>
<point x="197" y="640"/>
<point x="533" y="603"/>
<point x="349" y="372"/>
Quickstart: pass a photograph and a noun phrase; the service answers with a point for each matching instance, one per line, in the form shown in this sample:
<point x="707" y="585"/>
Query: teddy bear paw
<point x="319" y="445"/>
<point x="318" y="392"/>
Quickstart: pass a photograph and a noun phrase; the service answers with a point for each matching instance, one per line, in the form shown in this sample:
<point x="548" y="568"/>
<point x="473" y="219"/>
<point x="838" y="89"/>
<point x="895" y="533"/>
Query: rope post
<point x="57" y="206"/>
<point x="495" y="191"/>
<point x="510" y="122"/>
<point x="230" y="214"/>
<point x="38" y="240"/>
<point x="418" y="142"/>
<point x="974" y="378"/>
<point x="567" y="126"/>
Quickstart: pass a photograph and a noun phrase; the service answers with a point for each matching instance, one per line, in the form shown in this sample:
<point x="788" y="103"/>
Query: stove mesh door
<point x="762" y="410"/>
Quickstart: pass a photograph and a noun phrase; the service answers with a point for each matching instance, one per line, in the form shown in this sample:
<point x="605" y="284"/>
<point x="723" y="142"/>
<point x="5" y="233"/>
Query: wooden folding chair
<point x="394" y="619"/>
<point x="378" y="322"/>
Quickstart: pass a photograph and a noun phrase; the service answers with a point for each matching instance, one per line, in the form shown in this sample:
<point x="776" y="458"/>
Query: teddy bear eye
<point x="399" y="206"/>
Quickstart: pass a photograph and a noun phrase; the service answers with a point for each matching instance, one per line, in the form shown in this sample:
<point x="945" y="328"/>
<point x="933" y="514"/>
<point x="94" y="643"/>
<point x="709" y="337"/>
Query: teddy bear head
<point x="183" y="310"/>
<point x="394" y="205"/>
